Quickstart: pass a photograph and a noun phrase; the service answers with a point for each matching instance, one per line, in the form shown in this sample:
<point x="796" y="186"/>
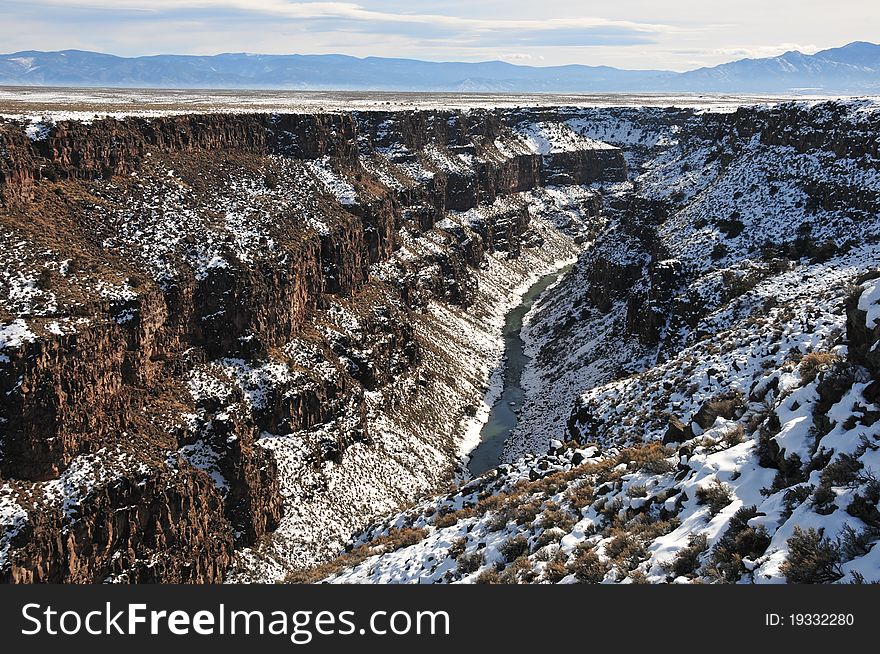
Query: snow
<point x="340" y="188"/>
<point x="406" y="459"/>
<point x="203" y="456"/>
<point x="55" y="104"/>
<point x="255" y="381"/>
<point x="15" y="334"/>
<point x="83" y="476"/>
<point x="869" y="302"/>
<point x="38" y="131"/>
<point x="172" y="225"/>
<point x="13" y="519"/>
<point x="551" y="138"/>
<point x="749" y="341"/>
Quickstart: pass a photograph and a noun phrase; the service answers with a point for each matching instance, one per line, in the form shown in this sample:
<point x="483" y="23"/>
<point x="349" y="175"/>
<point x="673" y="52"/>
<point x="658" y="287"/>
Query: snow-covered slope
<point x="704" y="397"/>
<point x="230" y="342"/>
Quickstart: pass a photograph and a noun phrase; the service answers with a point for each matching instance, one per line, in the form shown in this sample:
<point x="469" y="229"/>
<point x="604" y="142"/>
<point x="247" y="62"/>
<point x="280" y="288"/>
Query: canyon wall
<point x="177" y="287"/>
<point x="702" y="400"/>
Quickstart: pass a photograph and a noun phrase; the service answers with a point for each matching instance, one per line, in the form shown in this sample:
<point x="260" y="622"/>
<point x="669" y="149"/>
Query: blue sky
<point x="629" y="34"/>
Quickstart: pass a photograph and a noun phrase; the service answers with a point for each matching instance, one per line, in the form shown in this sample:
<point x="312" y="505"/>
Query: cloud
<point x="384" y="28"/>
<point x="519" y="57"/>
<point x="675" y="35"/>
<point x="758" y="52"/>
<point x="346" y="15"/>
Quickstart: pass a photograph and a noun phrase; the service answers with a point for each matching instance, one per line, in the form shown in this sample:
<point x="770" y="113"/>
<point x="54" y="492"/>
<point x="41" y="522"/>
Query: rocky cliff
<point x="702" y="403"/>
<point x="228" y="342"/>
<point x="184" y="297"/>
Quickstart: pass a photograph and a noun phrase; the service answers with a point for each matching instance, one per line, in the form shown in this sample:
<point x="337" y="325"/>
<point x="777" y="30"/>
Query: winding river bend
<point x="503" y="417"/>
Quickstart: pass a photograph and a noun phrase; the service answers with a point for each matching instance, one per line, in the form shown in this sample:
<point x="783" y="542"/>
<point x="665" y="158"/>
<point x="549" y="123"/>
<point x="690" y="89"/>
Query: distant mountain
<point x="851" y="69"/>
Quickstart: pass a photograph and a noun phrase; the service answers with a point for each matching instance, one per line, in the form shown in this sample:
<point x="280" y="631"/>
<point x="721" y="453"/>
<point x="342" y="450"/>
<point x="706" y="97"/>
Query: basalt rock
<point x="584" y="167"/>
<point x="645" y="317"/>
<point x="677" y="432"/>
<point x="610" y="280"/>
<point x="120" y="376"/>
<point x="17" y="166"/>
<point x="862" y="339"/>
<point x="147" y="526"/>
<point x="729" y="406"/>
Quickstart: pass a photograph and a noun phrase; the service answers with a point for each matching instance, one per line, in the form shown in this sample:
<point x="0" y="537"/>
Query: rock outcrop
<point x="201" y="280"/>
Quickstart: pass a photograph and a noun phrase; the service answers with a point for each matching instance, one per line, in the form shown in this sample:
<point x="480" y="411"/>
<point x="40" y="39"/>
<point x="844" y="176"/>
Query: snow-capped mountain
<point x="851" y="69"/>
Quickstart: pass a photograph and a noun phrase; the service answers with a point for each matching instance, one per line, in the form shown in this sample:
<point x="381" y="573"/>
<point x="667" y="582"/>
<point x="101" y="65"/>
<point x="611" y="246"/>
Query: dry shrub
<point x="610" y="508"/>
<point x="687" y="560"/>
<point x="394" y="540"/>
<point x="491" y="503"/>
<point x="513" y="548"/>
<point x="637" y="577"/>
<point x="625" y="551"/>
<point x="498" y="520"/>
<point x="652" y="457"/>
<point x="733" y="435"/>
<point x="854" y="544"/>
<point x="489" y="576"/>
<point x="468" y="563"/>
<point x="843" y="471"/>
<point x="519" y="571"/>
<point x="400" y="538"/>
<point x="555" y="517"/>
<point x="587" y="567"/>
<point x="812" y="558"/>
<point x="581" y="496"/>
<point x="647" y="528"/>
<point x="815" y="362"/>
<point x="556" y="569"/>
<point x="549" y="536"/>
<point x="716" y="496"/>
<point x="446" y="519"/>
<point x="457" y="547"/>
<point x="637" y="491"/>
<point x="526" y="513"/>
<point x="628" y="542"/>
<point x="739" y="542"/>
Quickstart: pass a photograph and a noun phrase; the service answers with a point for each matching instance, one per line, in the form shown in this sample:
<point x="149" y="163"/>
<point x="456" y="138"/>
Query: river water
<point x="503" y="417"/>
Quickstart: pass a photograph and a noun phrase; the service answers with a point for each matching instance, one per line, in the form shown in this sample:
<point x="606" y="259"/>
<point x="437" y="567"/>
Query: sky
<point x="635" y="34"/>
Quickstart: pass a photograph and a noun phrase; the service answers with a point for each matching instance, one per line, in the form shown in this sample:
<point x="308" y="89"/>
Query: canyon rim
<point x="259" y="346"/>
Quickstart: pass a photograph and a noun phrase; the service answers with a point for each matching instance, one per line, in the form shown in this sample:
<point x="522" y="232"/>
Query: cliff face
<point x="177" y="288"/>
<point x="715" y="353"/>
<point x="725" y="203"/>
<point x="228" y="341"/>
<point x="138" y="526"/>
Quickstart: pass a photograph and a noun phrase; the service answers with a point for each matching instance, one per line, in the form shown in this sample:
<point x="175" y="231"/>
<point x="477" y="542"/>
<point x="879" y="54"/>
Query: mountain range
<point x="850" y="69"/>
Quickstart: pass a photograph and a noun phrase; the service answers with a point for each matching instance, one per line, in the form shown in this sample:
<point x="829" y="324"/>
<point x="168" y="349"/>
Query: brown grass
<point x="815" y="362"/>
<point x="525" y="503"/>
<point x="394" y="540"/>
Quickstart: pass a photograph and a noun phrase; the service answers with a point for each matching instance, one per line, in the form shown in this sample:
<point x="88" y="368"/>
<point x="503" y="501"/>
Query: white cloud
<point x="352" y="11"/>
<point x="518" y="57"/>
<point x="674" y="35"/>
<point x="759" y="51"/>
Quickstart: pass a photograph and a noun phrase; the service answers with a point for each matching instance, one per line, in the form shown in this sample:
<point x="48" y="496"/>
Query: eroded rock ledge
<point x="176" y="290"/>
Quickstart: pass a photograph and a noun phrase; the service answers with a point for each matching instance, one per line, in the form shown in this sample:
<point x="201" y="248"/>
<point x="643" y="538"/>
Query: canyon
<point x="260" y="346"/>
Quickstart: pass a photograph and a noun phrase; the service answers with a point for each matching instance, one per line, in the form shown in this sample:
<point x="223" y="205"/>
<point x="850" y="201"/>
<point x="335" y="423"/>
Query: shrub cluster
<point x="812" y="558"/>
<point x="716" y="496"/>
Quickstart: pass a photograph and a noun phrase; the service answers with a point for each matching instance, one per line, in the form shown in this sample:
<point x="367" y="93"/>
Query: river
<point x="503" y="417"/>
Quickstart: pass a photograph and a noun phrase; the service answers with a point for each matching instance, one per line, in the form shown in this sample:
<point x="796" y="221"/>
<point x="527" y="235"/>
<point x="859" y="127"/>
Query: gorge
<point x="235" y="346"/>
<point x="502" y="418"/>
